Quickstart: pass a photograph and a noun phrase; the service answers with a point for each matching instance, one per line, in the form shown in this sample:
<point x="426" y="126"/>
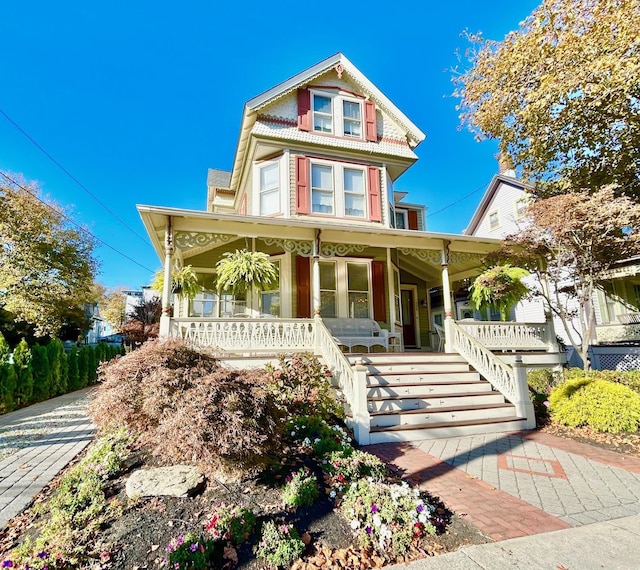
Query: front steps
<point x="414" y="396"/>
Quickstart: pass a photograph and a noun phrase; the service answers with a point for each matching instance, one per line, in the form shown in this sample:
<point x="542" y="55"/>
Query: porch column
<point x="315" y="275"/>
<point x="446" y="294"/>
<point x="165" y="318"/>
<point x="391" y="285"/>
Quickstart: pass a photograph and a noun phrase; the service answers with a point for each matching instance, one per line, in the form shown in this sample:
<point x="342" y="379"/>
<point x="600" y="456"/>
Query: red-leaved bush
<point x="186" y="409"/>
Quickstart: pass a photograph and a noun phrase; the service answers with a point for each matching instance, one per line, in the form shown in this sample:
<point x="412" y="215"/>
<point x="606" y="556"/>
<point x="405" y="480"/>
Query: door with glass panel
<point x="345" y="289"/>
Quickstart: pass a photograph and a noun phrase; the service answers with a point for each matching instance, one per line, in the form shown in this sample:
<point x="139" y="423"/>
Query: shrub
<point x="630" y="378"/>
<point x="83" y="367"/>
<point x="5" y="350"/>
<point x="92" y="365"/>
<point x="73" y="376"/>
<point x="234" y="524"/>
<point x="279" y="544"/>
<point x="352" y="464"/>
<point x="316" y="433"/>
<point x="301" y="489"/>
<point x="542" y="381"/>
<point x="301" y="386"/>
<point x="182" y="406"/>
<point x="24" y="377"/>
<point x="599" y="404"/>
<point x="387" y="517"/>
<point x="57" y="380"/>
<point x="40" y="370"/>
<point x="189" y="552"/>
<point x="8" y="384"/>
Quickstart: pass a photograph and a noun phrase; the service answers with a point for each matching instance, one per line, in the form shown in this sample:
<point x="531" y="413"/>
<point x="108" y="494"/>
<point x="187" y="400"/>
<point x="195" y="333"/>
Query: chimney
<point x="505" y="165"/>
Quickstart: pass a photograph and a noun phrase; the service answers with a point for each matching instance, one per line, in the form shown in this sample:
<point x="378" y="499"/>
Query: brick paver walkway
<point x="512" y="485"/>
<point x="62" y="429"/>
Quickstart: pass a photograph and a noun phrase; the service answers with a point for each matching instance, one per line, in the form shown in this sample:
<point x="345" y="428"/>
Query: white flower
<point x="340" y="488"/>
<point x="376" y="520"/>
<point x="355" y="523"/>
<point x="422" y="518"/>
<point x="293" y="434"/>
<point x="332" y="494"/>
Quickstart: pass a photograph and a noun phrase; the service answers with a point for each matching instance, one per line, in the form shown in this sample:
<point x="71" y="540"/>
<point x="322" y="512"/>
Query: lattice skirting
<point x="615" y="357"/>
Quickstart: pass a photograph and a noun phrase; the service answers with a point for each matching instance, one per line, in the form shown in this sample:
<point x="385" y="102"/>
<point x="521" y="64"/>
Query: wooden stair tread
<point x="441" y="383"/>
<point x="432" y="396"/>
<point x="435" y="425"/>
<point x="418" y="372"/>
<point x="468" y="407"/>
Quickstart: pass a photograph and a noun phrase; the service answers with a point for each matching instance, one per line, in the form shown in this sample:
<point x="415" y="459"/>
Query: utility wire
<point x="52" y="159"/>
<point x="459" y="199"/>
<point x="72" y="222"/>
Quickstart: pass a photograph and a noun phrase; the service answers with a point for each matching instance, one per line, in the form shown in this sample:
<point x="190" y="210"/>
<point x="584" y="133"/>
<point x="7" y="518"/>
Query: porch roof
<point x="202" y="230"/>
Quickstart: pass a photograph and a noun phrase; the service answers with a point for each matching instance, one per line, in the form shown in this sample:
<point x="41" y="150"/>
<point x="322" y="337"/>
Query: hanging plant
<point x="239" y="271"/>
<point x="184" y="282"/>
<point x="499" y="288"/>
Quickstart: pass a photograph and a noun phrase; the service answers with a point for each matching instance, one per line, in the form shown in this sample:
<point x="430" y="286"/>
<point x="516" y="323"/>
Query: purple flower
<point x="374" y="508"/>
<point x="420" y="508"/>
<point x="368" y="530"/>
<point x="194" y="547"/>
<point x="42" y="555"/>
<point x="180" y="540"/>
<point x="7" y="564"/>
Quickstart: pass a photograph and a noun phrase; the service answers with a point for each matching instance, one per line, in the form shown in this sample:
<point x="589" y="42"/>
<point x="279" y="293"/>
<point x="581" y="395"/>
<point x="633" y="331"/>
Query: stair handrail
<point x="511" y="382"/>
<point x="351" y="380"/>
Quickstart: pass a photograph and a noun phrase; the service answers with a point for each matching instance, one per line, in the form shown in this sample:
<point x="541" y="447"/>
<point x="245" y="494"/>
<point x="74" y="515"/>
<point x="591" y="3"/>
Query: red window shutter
<point x="379" y="291"/>
<point x="303" y="287"/>
<point x="371" y="131"/>
<point x="304" y="110"/>
<point x="412" y="216"/>
<point x="375" y="202"/>
<point x="302" y="185"/>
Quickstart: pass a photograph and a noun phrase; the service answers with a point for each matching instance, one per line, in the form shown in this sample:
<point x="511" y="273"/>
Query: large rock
<point x="175" y="481"/>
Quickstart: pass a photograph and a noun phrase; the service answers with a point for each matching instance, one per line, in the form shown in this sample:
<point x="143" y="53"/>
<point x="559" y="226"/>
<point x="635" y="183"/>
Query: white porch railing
<point x="247" y="335"/>
<point x="511" y="336"/>
<point x="351" y="380"/>
<point x="510" y="381"/>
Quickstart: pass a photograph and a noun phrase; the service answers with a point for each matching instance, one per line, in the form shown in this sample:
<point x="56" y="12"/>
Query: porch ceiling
<point x="196" y="231"/>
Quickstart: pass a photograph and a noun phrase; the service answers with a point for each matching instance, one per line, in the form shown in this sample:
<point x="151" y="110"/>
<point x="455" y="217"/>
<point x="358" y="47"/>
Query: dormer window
<point x="329" y="110"/>
<point x="322" y="114"/>
<point x="333" y="114"/>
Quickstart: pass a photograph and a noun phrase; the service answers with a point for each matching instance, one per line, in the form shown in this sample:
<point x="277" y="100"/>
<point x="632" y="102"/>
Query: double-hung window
<point x="338" y="189"/>
<point x="322" y="189"/>
<point x="269" y="189"/>
<point x="328" y="290"/>
<point x="353" y="192"/>
<point x="322" y="114"/>
<point x="334" y="114"/>
<point x="270" y="300"/>
<point x="358" y="290"/>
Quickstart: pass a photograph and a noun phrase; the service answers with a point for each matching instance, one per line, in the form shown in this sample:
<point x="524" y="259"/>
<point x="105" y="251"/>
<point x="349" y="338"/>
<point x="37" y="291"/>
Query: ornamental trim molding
<point x="188" y="240"/>
<point x="428" y="255"/>
<point x="299" y="247"/>
<point x="340" y="249"/>
<point x="460" y="257"/>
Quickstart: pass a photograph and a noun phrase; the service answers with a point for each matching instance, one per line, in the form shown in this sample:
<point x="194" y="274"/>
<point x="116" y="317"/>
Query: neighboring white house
<point x="501" y="212"/>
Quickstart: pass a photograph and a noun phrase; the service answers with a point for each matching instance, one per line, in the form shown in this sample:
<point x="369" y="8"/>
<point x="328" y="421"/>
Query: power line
<point x="73" y="222"/>
<point x="52" y="159"/>
<point x="459" y="199"/>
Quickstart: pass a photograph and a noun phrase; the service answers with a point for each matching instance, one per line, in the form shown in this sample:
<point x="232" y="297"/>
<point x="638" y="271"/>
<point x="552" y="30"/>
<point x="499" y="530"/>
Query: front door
<point x="408" y="317"/>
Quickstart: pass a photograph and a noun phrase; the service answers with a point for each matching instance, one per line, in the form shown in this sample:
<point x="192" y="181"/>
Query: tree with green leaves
<point x="46" y="264"/>
<point x="499" y="288"/>
<point x="8" y="380"/>
<point x="24" y="377"/>
<point x="73" y="374"/>
<point x="83" y="367"/>
<point x="113" y="306"/>
<point x="561" y="95"/>
<point x="57" y="380"/>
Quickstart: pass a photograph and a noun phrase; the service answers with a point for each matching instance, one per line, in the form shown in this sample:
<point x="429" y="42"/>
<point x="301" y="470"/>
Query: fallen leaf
<point x="230" y="554"/>
<point x="306" y="538"/>
<point x="154" y="547"/>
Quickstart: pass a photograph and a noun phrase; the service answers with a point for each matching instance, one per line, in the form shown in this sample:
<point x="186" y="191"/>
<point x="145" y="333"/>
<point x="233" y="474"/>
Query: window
<point x="358" y="288"/>
<point x="494" y="221"/>
<point x="328" y="290"/>
<point x="521" y="207"/>
<point x="352" y="120"/>
<point x="334" y="114"/>
<point x="401" y="219"/>
<point x="321" y="189"/>
<point x="353" y="192"/>
<point x="270" y="189"/>
<point x="204" y="304"/>
<point x="338" y="190"/>
<point x="270" y="300"/>
<point x="322" y="114"/>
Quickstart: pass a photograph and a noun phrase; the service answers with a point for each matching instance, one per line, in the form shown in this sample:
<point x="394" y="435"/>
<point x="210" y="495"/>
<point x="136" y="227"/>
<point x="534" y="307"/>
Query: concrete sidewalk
<point x="36" y="443"/>
<point x="614" y="545"/>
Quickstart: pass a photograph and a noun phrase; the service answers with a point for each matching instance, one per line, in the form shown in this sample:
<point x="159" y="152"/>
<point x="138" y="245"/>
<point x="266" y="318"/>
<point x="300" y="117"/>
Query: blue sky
<point x="137" y="99"/>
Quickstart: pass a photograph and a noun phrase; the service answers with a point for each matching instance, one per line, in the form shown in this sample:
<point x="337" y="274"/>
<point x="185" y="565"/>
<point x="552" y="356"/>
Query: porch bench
<point x="357" y="332"/>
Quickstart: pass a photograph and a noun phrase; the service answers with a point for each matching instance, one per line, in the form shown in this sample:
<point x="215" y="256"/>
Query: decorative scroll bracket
<point x="188" y="240"/>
